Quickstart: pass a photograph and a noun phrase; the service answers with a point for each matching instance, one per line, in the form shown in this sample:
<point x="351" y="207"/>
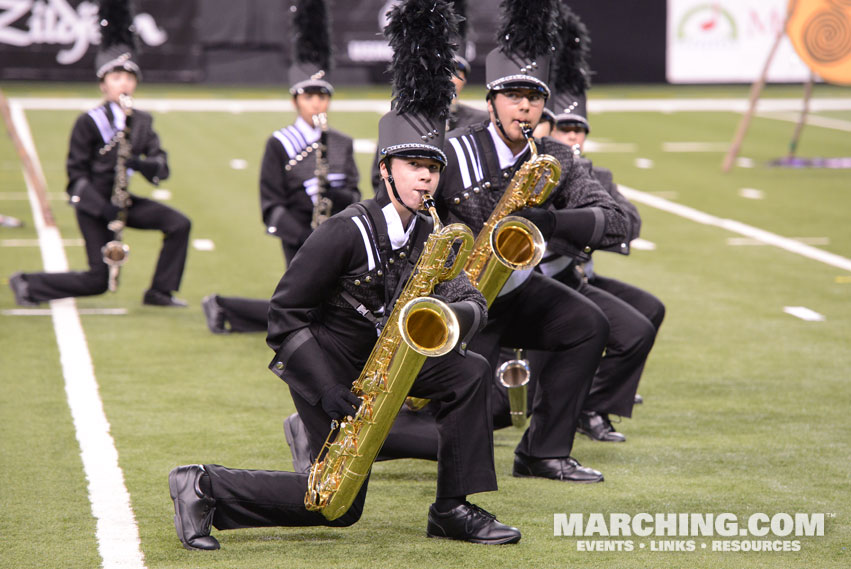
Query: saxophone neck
<point x="431" y="208"/>
<point x="530" y="138"/>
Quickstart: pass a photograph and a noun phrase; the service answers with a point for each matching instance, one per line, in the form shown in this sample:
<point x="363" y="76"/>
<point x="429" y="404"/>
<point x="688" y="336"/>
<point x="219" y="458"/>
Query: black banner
<point x="249" y="41"/>
<point x="57" y="40"/>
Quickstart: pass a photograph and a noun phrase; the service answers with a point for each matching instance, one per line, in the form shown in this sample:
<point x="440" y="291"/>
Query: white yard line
<point x="737" y="227"/>
<point x="117" y="533"/>
<point x="382" y="106"/>
<point x="824" y="122"/>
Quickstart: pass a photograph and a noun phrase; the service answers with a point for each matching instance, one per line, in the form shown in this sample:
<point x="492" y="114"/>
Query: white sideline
<point x="757" y="234"/>
<point x="117" y="533"/>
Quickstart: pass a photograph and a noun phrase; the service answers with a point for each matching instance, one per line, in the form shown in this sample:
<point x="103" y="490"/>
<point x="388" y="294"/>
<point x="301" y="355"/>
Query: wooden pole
<point x="34" y="178"/>
<point x="808" y="91"/>
<point x="756" y="88"/>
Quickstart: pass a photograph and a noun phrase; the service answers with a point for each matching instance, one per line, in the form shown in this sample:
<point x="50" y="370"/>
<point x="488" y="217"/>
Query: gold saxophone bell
<point x="429" y="326"/>
<point x="514" y="376"/>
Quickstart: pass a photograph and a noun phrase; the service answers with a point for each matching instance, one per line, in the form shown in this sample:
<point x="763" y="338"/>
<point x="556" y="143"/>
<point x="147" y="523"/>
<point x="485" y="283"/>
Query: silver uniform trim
<point x="518" y="79"/>
<point x="366" y="242"/>
<point x="462" y="162"/>
<point x="403" y="147"/>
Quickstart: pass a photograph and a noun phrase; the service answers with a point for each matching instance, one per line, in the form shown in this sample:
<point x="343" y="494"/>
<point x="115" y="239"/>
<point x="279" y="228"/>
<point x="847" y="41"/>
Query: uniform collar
<point x="308" y="131"/>
<point x="507" y="159"/>
<point x="398" y="236"/>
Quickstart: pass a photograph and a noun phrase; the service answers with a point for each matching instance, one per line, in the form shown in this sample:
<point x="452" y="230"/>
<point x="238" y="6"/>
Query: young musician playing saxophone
<point x="325" y="312"/>
<point x="305" y="166"/>
<point x="532" y="311"/>
<point x="91" y="167"/>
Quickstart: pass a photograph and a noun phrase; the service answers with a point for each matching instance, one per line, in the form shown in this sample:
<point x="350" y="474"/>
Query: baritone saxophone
<point x="506" y="242"/>
<point x="418" y="327"/>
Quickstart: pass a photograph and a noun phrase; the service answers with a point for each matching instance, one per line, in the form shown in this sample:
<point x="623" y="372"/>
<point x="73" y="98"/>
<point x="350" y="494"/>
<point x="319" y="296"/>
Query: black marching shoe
<point x="21" y="290"/>
<point x="468" y="522"/>
<point x="299" y="445"/>
<point x="193" y="510"/>
<point x="154" y="297"/>
<point x="214" y="314"/>
<point x="598" y="427"/>
<point x="565" y="469"/>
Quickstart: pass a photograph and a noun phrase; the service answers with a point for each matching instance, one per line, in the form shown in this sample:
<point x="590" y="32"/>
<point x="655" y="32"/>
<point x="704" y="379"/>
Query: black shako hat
<point x="311" y="48"/>
<point x="571" y="72"/>
<point x="527" y="39"/>
<point x="420" y="33"/>
<point x="117" y="39"/>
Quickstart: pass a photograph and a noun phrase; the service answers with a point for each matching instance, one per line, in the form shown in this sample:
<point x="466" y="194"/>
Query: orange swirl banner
<point x="820" y="31"/>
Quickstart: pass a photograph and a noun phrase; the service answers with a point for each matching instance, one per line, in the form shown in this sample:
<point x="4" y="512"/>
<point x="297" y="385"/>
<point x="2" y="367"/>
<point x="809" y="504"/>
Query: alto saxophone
<point x="509" y="243"/>
<point x="323" y="206"/>
<point x="115" y="252"/>
<point x="418" y="327"/>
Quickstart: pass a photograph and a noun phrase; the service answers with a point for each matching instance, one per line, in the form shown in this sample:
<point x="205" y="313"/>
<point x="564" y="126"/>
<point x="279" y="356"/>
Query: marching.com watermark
<point x="755" y="532"/>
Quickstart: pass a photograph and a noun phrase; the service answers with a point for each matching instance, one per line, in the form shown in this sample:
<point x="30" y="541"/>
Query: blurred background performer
<point x="460" y="114"/>
<point x="321" y="340"/>
<point x="302" y="164"/>
<point x="634" y="315"/>
<point x="91" y="167"/>
<point x="533" y="311"/>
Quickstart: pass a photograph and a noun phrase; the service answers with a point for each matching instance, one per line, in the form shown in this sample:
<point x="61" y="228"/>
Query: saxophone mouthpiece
<point x="125" y="101"/>
<point x="527" y="130"/>
<point x="428" y="202"/>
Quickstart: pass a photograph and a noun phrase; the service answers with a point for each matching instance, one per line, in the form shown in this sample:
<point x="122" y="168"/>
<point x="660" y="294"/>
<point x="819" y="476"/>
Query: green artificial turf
<point x="746" y="407"/>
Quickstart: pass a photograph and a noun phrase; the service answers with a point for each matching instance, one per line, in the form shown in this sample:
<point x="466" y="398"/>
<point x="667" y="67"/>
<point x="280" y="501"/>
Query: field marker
<point x="203" y="245"/>
<point x="743" y="162"/>
<point x="594" y="146"/>
<point x="804" y="313"/>
<point x="643" y="163"/>
<point x="238" y="164"/>
<point x="642" y="244"/>
<point x="694" y="147"/>
<point x="751" y="193"/>
<point x="117" y="533"/>
<point x="161" y="194"/>
<point x="763" y="236"/>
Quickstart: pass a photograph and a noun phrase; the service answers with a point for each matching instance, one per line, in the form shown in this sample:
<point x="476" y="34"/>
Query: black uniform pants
<point x="546" y="315"/>
<point x="259" y="498"/>
<point x="245" y="314"/>
<point x="143" y="214"/>
<point x="631" y="337"/>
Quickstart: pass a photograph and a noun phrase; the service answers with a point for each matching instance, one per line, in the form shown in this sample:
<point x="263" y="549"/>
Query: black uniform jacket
<point x="318" y="336"/>
<point x="91" y="172"/>
<point x="288" y="162"/>
<point x="607" y="180"/>
<point x="473" y="184"/>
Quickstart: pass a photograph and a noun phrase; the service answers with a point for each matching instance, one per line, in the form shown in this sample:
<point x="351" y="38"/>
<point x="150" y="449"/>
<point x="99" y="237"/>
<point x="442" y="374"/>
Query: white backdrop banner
<point x="728" y="41"/>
